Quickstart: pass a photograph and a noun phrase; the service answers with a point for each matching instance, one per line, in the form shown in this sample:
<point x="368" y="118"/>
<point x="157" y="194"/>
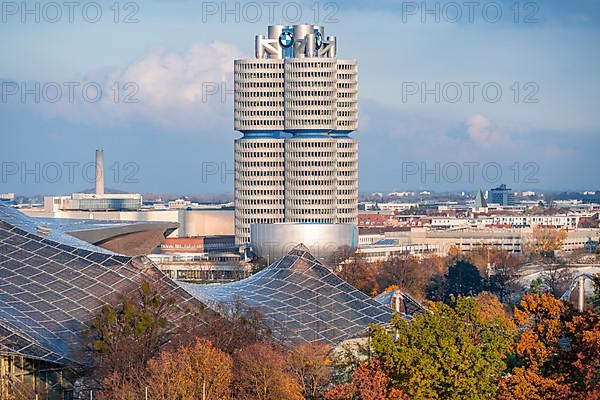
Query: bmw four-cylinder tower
<point x="296" y="105"/>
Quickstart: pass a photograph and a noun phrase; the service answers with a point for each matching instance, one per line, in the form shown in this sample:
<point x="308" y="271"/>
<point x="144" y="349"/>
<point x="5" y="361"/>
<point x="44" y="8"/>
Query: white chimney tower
<point x="99" y="171"/>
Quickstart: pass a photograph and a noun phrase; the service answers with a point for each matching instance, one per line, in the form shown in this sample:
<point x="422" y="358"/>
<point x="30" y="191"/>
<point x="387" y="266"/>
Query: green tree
<point x="457" y="351"/>
<point x="462" y="279"/>
<point x="123" y="337"/>
<point x="536" y="286"/>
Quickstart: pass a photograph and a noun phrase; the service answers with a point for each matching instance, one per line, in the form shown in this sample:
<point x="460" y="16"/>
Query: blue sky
<point x="542" y="132"/>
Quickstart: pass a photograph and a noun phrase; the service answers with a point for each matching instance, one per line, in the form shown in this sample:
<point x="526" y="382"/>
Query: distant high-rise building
<point x="501" y="195"/>
<point x="295" y="104"/>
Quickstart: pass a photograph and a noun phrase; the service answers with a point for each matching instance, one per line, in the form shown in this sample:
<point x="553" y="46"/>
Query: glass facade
<point x="24" y="378"/>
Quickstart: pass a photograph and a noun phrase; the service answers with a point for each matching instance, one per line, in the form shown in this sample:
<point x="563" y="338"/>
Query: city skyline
<point x="554" y="139"/>
<point x="299" y="200"/>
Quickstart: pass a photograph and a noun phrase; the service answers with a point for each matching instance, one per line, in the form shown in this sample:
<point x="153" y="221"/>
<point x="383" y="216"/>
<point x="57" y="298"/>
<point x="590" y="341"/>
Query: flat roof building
<point x="501" y="195"/>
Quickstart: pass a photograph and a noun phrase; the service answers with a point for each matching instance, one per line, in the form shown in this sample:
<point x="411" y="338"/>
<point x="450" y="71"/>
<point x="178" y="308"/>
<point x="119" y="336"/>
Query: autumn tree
<point x="262" y="373"/>
<point x="409" y="274"/>
<point x="243" y="326"/>
<point x="595" y="298"/>
<point x="192" y="372"/>
<point x="504" y="270"/>
<point x="481" y="257"/>
<point x="360" y="274"/>
<point x="583" y="368"/>
<point x="456" y="351"/>
<point x="341" y="254"/>
<point x="544" y="241"/>
<point x="369" y="382"/>
<point x="557" y="354"/>
<point x="541" y="319"/>
<point x="309" y="365"/>
<point x="556" y="277"/>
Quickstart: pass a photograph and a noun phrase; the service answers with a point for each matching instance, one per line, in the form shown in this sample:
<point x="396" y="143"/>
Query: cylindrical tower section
<point x="99" y="171"/>
<point x="258" y="95"/>
<point x="300" y="32"/>
<point x="333" y="47"/>
<point x="347" y="181"/>
<point x="310" y="94"/>
<point x="259" y="187"/>
<point x="310" y="180"/>
<point x="274" y="31"/>
<point x="347" y="96"/>
<point x="259" y="50"/>
<point x="311" y="45"/>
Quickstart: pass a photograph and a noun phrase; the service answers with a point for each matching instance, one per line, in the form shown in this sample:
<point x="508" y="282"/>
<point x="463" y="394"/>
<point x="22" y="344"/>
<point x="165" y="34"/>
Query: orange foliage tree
<point x="194" y="372"/>
<point x="188" y="373"/>
<point x="263" y="374"/>
<point x="369" y="382"/>
<point x="360" y="274"/>
<point x="557" y="354"/>
<point x="583" y="332"/>
<point x="309" y="365"/>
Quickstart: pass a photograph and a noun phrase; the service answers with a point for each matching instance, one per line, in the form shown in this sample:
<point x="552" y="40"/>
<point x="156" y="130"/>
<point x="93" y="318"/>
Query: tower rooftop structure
<point x="295" y="85"/>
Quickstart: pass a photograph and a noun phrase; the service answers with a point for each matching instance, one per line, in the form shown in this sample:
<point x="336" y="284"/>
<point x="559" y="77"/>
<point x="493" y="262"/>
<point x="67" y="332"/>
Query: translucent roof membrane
<point x="300" y="299"/>
<point x="54" y="231"/>
<point x="51" y="286"/>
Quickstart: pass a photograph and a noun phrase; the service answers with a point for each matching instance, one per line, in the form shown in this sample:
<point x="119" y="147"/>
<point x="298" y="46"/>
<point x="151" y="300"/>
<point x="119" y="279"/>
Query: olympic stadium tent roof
<point x="52" y="284"/>
<point x="42" y="227"/>
<point x="300" y="299"/>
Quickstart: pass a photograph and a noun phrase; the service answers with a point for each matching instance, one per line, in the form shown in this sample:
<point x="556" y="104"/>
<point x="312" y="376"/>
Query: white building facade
<point x="296" y="105"/>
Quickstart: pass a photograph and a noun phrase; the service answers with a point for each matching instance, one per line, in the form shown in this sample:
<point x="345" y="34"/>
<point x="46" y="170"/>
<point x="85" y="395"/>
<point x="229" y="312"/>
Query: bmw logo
<point x="318" y="39"/>
<point x="286" y="39"/>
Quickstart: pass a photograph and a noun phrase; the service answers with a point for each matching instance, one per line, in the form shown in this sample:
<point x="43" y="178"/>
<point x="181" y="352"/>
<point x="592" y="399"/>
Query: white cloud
<point x="484" y="133"/>
<point x="173" y="90"/>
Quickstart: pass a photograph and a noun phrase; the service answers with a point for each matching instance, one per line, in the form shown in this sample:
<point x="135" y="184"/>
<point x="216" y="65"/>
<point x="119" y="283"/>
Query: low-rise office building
<point x="440" y="242"/>
<point x="94" y="202"/>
